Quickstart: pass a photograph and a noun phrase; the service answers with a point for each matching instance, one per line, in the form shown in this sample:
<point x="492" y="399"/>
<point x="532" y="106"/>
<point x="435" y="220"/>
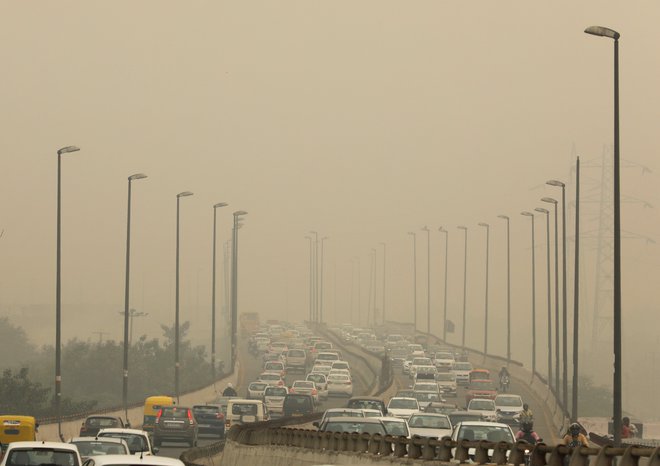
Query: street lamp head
<point x="542" y="210"/>
<point x="184" y="194"/>
<point x="505" y="217"/>
<point x="137" y="176"/>
<point x="67" y="149"/>
<point x="555" y="183"/>
<point x="549" y="200"/>
<point x="527" y="214"/>
<point x="483" y="224"/>
<point x="602" y="32"/>
<point x="220" y="204"/>
<point x="239" y="213"/>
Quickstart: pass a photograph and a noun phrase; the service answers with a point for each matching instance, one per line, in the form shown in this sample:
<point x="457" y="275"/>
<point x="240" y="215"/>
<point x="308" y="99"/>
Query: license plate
<point x="204" y="425"/>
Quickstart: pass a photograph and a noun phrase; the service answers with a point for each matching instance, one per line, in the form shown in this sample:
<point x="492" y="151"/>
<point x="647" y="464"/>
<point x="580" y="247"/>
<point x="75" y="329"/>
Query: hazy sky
<point x="362" y="120"/>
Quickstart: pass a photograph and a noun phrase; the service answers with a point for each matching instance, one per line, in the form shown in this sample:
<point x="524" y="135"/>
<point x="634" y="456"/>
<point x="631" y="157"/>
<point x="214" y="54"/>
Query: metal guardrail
<point x="445" y="449"/>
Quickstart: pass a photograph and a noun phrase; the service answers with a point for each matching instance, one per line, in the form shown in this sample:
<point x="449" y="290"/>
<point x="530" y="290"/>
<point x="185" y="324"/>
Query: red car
<point x="481" y="389"/>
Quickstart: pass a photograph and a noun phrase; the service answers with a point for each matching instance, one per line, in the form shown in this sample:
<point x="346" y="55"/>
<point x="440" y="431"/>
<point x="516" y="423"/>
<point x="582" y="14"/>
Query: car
<point x="123" y="460"/>
<point x="138" y="441"/>
<point x="271" y="378"/>
<point x="275" y="366"/>
<point x="307" y="387"/>
<point x="395" y="426"/>
<point x="341" y="365"/>
<point x="426" y="387"/>
<point x="327" y="356"/>
<point x="440" y="408"/>
<point x="354" y="424"/>
<point x="95" y="446"/>
<point x="420" y="362"/>
<point x="340" y="384"/>
<point x="480" y="389"/>
<point x="255" y="390"/>
<point x="92" y="424"/>
<point x="447" y="383"/>
<point x="397" y="357"/>
<point x="444" y="360"/>
<point x="340" y="412"/>
<point x="508" y="408"/>
<point x="402" y="407"/>
<point x="462" y="371"/>
<point x="405" y="393"/>
<point x="210" y="419"/>
<point x="323" y="367"/>
<point x="461" y="415"/>
<point x="242" y="411"/>
<point x="274" y="399"/>
<point x="41" y="453"/>
<point x="367" y="402"/>
<point x="486" y="408"/>
<point x="475" y="431"/>
<point x="321" y="382"/>
<point x="297" y="404"/>
<point x="340" y="372"/>
<point x="425" y="398"/>
<point x="478" y="374"/>
<point x="430" y="425"/>
<point x="296" y="360"/>
<point x="175" y="424"/>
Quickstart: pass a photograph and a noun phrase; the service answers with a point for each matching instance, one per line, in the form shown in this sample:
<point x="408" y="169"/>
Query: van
<point x="242" y="411"/>
<point x="297" y="404"/>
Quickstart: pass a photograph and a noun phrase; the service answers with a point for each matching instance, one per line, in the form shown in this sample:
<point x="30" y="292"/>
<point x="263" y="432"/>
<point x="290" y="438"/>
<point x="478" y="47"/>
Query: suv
<point x="91" y="426"/>
<point x="175" y="423"/>
<point x="297" y="404"/>
<point x="210" y="419"/>
<point x="296" y="360"/>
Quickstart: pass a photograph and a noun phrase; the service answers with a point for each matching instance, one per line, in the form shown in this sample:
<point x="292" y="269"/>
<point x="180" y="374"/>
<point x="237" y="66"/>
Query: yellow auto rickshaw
<point x="151" y="407"/>
<point x="17" y="428"/>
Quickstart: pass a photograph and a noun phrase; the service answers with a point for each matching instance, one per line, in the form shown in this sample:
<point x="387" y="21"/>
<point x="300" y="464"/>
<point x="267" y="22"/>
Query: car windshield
<point x="456" y="417"/>
<point x="99" y="447"/>
<point x="39" y="456"/>
<point x="270" y="377"/>
<point x="402" y="403"/>
<point x="427" y="396"/>
<point x="482" y="385"/>
<point x="136" y="442"/>
<point x="397" y="428"/>
<point x="421" y="362"/>
<point x="274" y="366"/>
<point x="445" y="377"/>
<point x="275" y="391"/>
<point x="345" y="413"/>
<point x="244" y="408"/>
<point x="444" y="356"/>
<point x="101" y="422"/>
<point x="371" y="428"/>
<point x="486" y="405"/>
<point x="486" y="432"/>
<point x="323" y="346"/>
<point x="257" y="386"/>
<point x="365" y="404"/>
<point x="318" y="378"/>
<point x="429" y="422"/>
<point x="174" y="412"/>
<point x="509" y="401"/>
<point x="406" y="393"/>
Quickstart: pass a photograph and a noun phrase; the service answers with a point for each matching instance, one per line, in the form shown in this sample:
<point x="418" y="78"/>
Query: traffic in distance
<point x="440" y="395"/>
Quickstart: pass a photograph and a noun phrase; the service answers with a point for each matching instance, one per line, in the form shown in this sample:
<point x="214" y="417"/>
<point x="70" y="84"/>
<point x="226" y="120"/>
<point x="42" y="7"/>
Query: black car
<point x="175" y="424"/>
<point x="210" y="419"/>
<point x="91" y="426"/>
<point x="298" y="404"/>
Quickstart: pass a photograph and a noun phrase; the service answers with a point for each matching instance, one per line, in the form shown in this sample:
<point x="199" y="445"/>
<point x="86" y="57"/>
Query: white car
<point x="305" y="387"/>
<point x="444" y="360"/>
<point x="139" y="442"/>
<point x="340" y="384"/>
<point x="274" y="399"/>
<point x="57" y="453"/>
<point x="94" y="446"/>
<point x="396" y="426"/>
<point x="462" y="371"/>
<point x="341" y="365"/>
<point x="402" y="407"/>
<point x="426" y="387"/>
<point x="484" y="407"/>
<point x="341" y="412"/>
<point x="273" y="379"/>
<point x="341" y="372"/>
<point x="447" y="383"/>
<point x="371" y="412"/>
<point x="321" y="382"/>
<point x="322" y="368"/>
<point x="130" y="460"/>
<point x="509" y="408"/>
<point x="430" y="425"/>
<point x="475" y="431"/>
<point x="416" y="363"/>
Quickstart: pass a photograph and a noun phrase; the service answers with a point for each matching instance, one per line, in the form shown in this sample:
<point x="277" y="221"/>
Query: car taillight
<point x="292" y="390"/>
<point x="349" y="382"/>
<point x="190" y="417"/>
<point x="314" y="391"/>
<point x="160" y="413"/>
<point x="219" y="416"/>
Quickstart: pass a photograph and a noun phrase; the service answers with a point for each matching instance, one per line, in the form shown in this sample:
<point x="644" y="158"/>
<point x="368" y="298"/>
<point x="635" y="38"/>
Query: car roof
<point x="147" y="460"/>
<point x="97" y="439"/>
<point x="43" y="444"/>
<point x="430" y="414"/>
<point x="119" y="430"/>
<point x="368" y="420"/>
<point x="403" y="398"/>
<point x="482" y="424"/>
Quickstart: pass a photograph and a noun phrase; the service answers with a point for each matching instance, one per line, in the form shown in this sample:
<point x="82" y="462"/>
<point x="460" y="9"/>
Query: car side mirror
<point x="316" y="424"/>
<point x="155" y="450"/>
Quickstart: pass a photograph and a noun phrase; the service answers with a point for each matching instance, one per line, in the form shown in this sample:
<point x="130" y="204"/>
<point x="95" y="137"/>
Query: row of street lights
<point x="127" y="311"/>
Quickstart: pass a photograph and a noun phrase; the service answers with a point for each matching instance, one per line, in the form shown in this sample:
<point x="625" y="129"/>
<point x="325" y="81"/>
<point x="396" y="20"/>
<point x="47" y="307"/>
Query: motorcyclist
<point x="526" y="414"/>
<point x="504" y="378"/>
<point x="574" y="436"/>
<point x="229" y="391"/>
<point x="527" y="432"/>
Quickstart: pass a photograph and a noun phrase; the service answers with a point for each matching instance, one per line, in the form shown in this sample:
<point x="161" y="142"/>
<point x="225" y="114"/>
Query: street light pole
<point x="414" y="236"/>
<point x="508" y="288"/>
<point x="576" y="296"/>
<point x="215" y="210"/>
<point x="58" y="291"/>
<point x="564" y="303"/>
<point x="487" y="227"/>
<point x="311" y="297"/>
<point x="444" y="319"/>
<point x="384" y="281"/>
<point x="616" y="388"/>
<point x="234" y="287"/>
<point x="428" y="279"/>
<point x="547" y="243"/>
<point x="321" y="297"/>
<point x="464" y="284"/>
<point x="554" y="202"/>
<point x="137" y="176"/>
<point x="531" y="216"/>
<point x="176" y="312"/>
<point x="315" y="274"/>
